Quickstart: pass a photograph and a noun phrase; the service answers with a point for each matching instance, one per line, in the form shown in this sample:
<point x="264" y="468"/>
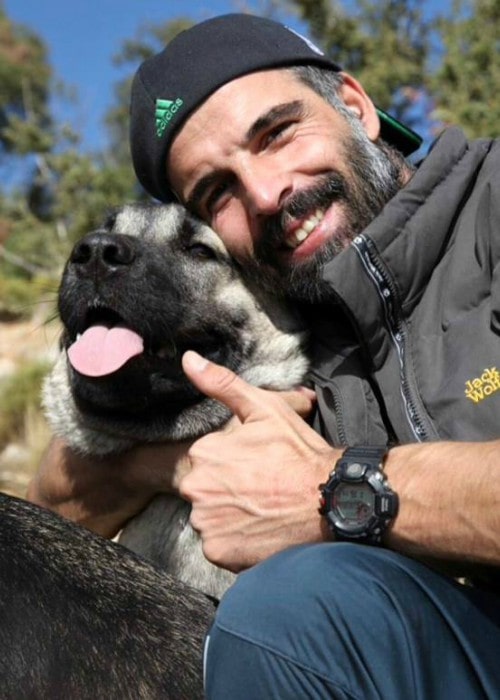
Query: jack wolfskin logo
<point x="165" y="110"/>
<point x="480" y="388"/>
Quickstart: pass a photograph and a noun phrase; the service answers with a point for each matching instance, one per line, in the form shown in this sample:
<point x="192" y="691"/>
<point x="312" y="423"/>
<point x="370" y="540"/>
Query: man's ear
<point x="357" y="100"/>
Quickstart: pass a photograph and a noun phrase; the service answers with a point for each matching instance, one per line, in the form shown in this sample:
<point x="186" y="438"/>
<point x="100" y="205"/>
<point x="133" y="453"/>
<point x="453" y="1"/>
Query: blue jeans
<point x="350" y="621"/>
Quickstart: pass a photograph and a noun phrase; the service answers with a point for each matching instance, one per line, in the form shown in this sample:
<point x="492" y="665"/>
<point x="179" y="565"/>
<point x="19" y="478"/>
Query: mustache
<point x="330" y="188"/>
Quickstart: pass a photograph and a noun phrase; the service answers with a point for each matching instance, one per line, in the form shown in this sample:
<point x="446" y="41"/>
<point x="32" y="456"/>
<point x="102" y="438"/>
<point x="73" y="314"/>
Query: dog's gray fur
<point x="178" y="289"/>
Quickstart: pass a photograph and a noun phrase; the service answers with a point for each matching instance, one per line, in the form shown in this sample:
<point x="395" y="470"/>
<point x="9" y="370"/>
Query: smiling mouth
<point x="302" y="233"/>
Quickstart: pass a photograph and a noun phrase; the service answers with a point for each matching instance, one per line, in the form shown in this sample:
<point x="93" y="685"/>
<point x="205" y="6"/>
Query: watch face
<point x="354" y="503"/>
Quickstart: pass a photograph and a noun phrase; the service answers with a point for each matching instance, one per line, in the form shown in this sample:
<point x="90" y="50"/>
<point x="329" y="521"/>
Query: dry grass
<point x="20" y="458"/>
<point x="27" y="349"/>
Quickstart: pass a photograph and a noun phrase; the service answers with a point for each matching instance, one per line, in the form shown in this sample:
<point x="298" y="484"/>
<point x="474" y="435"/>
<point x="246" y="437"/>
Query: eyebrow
<point x="277" y="113"/>
<point x="287" y="110"/>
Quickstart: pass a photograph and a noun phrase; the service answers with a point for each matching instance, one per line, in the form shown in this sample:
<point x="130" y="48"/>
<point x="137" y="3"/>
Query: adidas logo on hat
<point x="165" y="110"/>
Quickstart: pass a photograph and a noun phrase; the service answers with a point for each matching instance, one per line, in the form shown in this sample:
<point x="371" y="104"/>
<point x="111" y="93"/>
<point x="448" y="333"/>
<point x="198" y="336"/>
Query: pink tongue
<point x="101" y="351"/>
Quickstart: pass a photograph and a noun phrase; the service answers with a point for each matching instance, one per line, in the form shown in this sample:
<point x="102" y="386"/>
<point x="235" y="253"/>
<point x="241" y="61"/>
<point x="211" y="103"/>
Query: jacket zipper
<point x="337" y="407"/>
<point x="397" y="328"/>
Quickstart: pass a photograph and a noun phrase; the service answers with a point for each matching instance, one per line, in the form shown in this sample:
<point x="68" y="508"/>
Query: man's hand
<point x="254" y="486"/>
<point x="103" y="493"/>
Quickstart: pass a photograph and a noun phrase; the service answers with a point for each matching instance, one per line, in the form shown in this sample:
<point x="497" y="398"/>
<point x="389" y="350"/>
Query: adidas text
<point x="165" y="110"/>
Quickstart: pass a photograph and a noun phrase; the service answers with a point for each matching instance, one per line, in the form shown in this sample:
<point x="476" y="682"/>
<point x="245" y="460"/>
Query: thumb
<point x="222" y="384"/>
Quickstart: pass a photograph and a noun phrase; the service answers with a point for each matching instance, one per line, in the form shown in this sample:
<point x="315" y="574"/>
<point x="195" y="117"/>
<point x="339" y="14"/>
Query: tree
<point x="466" y="83"/>
<point x="64" y="193"/>
<point x="24" y="76"/>
<point x="384" y="44"/>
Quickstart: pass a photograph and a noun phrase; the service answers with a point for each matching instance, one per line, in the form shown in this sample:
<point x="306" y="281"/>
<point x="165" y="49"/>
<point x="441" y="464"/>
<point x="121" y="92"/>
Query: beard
<point x="376" y="173"/>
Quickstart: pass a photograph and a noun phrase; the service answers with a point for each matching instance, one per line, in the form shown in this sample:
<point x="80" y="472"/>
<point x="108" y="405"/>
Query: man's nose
<point x="265" y="189"/>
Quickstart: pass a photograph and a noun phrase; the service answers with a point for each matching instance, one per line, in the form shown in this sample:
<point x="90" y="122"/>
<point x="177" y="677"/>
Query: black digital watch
<point x="357" y="501"/>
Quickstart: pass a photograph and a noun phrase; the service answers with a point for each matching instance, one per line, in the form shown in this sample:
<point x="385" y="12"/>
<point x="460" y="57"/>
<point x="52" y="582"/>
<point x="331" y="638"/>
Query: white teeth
<point x="300" y="234"/>
<point x="78" y="336"/>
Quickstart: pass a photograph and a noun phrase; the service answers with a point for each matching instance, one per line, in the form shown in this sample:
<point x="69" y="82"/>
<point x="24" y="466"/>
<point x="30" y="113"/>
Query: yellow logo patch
<point x="480" y="388"/>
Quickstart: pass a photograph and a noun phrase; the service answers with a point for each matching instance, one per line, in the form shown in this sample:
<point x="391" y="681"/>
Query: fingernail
<point x="195" y="362"/>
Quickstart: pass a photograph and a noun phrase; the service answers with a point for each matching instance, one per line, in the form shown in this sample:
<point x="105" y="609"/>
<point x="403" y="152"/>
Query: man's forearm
<point x="449" y="501"/>
<point x="103" y="493"/>
<point x="82" y="489"/>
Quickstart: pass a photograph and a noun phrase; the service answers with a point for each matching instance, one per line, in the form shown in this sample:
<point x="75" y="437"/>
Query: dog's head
<point x="149" y="284"/>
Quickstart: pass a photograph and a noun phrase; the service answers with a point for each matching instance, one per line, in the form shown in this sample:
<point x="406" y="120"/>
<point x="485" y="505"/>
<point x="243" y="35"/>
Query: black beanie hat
<point x="168" y="87"/>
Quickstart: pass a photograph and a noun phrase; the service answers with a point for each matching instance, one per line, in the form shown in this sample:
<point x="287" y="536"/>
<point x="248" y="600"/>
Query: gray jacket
<point x="407" y="349"/>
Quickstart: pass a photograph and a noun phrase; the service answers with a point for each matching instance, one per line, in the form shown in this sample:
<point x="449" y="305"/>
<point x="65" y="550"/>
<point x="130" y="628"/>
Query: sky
<point x="83" y="35"/>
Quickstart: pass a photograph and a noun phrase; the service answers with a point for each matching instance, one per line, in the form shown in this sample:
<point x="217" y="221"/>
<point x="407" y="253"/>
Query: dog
<point x="149" y="284"/>
<point x="84" y="618"/>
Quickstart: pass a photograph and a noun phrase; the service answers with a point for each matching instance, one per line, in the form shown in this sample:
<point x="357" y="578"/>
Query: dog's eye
<point x="199" y="250"/>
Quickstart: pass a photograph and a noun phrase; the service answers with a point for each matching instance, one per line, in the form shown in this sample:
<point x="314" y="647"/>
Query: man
<point x="257" y="132"/>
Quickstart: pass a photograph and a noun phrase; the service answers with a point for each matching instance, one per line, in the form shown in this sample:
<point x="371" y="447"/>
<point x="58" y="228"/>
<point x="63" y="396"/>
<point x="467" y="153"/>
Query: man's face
<point x="285" y="180"/>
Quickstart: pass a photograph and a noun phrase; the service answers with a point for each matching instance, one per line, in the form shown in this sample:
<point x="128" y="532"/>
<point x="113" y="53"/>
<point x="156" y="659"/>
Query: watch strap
<point x="363" y="454"/>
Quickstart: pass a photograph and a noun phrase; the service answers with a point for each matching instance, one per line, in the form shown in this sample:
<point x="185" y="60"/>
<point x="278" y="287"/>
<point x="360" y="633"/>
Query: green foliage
<point x="385" y="45"/>
<point x="69" y="196"/>
<point x="19" y="393"/>
<point x="86" y="189"/>
<point x="19" y="298"/>
<point x="24" y="76"/>
<point x="25" y="136"/>
<point x="467" y="83"/>
<point x="66" y="192"/>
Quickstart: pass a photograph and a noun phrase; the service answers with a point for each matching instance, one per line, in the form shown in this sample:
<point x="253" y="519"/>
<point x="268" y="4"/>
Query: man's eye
<point x="277" y="132"/>
<point x="215" y="197"/>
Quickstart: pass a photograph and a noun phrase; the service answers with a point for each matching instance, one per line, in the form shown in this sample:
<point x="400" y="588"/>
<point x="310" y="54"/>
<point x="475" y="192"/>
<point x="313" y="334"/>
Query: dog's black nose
<point x="103" y="251"/>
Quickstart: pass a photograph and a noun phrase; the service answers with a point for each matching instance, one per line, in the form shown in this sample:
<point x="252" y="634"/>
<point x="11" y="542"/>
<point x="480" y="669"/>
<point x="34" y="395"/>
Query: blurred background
<point x="65" y="72"/>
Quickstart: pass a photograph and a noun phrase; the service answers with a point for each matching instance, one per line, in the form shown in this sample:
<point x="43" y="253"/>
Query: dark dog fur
<point x="82" y="618"/>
